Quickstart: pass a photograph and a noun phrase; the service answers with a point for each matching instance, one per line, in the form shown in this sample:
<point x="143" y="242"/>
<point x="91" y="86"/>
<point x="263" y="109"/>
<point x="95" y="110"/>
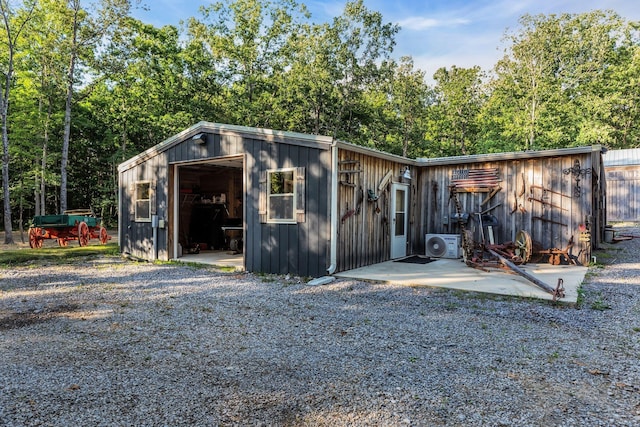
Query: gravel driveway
<point x="111" y="342"/>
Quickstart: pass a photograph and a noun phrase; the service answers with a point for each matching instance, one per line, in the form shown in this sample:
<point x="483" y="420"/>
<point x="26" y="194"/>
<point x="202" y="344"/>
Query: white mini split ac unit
<point x="442" y="245"/>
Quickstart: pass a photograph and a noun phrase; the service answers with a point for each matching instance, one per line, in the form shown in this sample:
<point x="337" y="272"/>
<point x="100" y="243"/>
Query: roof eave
<point x="375" y="153"/>
<point x="516" y="155"/>
<point x="317" y="141"/>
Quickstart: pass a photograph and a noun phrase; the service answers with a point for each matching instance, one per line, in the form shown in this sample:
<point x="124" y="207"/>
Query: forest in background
<point x="84" y="86"/>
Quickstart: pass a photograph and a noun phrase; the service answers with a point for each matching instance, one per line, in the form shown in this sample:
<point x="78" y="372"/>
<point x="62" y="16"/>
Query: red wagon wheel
<point x="83" y="234"/>
<point x="104" y="236"/>
<point x="35" y="237"/>
<point x="62" y="242"/>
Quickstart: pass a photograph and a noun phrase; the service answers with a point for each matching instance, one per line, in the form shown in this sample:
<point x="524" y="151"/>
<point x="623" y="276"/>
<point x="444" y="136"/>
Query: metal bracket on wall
<point x="577" y="174"/>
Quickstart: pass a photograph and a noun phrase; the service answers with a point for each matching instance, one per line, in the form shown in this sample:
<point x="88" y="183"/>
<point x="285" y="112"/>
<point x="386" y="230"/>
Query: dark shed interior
<point x="211" y="197"/>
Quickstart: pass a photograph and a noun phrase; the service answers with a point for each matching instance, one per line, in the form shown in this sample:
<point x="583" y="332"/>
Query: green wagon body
<point x="80" y="225"/>
<point x="61" y="221"/>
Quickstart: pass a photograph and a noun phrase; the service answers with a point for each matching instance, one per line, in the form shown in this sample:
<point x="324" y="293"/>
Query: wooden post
<point x="523" y="273"/>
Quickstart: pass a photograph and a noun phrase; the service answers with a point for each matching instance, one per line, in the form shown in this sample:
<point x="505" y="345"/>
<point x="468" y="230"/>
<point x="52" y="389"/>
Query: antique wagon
<point x="81" y="225"/>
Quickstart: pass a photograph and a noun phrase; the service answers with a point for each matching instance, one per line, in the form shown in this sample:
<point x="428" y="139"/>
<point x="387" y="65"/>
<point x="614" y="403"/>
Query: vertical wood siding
<point x="300" y="248"/>
<point x="364" y="226"/>
<point x="623" y="193"/>
<point x="560" y="222"/>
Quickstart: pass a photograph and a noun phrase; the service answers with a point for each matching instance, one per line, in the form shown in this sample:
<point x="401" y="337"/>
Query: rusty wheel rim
<point x="83" y="234"/>
<point x="35" y="238"/>
<point x="104" y="236"/>
<point x="524" y="246"/>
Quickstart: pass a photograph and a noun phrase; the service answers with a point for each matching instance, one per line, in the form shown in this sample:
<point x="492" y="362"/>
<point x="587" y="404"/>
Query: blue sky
<point x="436" y="33"/>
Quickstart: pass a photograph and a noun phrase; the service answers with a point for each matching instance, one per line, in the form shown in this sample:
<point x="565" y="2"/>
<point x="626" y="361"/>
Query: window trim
<point x="293" y="194"/>
<point x="136" y="200"/>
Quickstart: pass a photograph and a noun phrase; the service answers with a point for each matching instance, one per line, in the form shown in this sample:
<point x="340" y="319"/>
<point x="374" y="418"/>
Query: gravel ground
<point x="112" y="342"/>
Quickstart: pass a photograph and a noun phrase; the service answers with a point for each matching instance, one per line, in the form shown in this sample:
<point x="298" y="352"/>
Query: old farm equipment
<point x="81" y="225"/>
<point x="482" y="255"/>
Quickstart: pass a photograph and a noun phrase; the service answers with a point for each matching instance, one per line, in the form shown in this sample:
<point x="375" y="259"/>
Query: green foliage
<point x="453" y="117"/>
<point x="559" y="84"/>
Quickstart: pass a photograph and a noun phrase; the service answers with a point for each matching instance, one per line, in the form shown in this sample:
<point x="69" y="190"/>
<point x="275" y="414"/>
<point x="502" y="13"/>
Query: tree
<point x="248" y="42"/>
<point x="551" y="87"/>
<point x="453" y="117"/>
<point x="14" y="22"/>
<point x="361" y="41"/>
<point x="86" y="31"/>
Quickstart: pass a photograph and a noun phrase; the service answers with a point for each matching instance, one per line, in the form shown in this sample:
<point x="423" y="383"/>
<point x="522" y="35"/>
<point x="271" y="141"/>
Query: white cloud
<point x="418" y="23"/>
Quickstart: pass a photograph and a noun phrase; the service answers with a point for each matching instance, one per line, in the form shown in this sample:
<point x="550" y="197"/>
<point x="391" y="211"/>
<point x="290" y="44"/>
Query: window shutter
<point x="300" y="195"/>
<point x="262" y="198"/>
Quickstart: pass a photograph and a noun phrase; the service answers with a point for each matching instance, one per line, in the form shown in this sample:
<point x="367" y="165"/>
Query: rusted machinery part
<point x="35" y="237"/>
<point x="83" y="234"/>
<point x="468" y="245"/>
<point x="63" y="242"/>
<point x="524" y="246"/>
<point x="523" y="273"/>
<point x="559" y="290"/>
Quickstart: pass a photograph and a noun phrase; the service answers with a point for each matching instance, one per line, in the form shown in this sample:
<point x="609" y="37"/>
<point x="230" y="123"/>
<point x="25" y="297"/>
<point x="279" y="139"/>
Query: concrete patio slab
<point x="218" y="258"/>
<point x="455" y="274"/>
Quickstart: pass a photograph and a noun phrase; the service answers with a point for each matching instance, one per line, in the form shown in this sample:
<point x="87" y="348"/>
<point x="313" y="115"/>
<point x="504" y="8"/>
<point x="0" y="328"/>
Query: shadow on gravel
<point x="20" y="320"/>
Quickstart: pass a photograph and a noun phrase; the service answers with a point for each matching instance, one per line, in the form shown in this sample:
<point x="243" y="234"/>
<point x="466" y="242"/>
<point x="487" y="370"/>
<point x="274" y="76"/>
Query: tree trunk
<point x="10" y="41"/>
<point x="67" y="110"/>
<point x="8" y="231"/>
<point x="4" y="111"/>
<point x="21" y="210"/>
<point x="43" y="171"/>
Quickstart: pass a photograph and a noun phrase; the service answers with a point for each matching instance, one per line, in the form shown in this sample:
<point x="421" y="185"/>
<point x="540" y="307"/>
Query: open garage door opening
<point x="210" y="212"/>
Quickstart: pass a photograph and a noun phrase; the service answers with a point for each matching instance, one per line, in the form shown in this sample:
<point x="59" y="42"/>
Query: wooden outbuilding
<point x="269" y="194"/>
<point x="556" y="196"/>
<point x="622" y="168"/>
<point x="309" y="205"/>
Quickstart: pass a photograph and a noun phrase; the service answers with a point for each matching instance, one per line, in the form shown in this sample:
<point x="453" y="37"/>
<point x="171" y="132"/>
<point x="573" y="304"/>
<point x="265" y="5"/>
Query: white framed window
<point x="281" y="195"/>
<point x="142" y="201"/>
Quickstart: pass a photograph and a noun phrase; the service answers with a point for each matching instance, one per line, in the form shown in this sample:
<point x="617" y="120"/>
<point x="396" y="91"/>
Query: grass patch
<point x="16" y="257"/>
<point x="580" y="299"/>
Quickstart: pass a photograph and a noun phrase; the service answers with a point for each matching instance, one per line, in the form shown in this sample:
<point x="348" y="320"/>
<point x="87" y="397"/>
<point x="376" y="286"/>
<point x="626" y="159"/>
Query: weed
<point x="451" y="305"/>
<point x="600" y="304"/>
<point x="636" y="329"/>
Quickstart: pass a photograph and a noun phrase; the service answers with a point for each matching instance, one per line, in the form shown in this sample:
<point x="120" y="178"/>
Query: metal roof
<point x="375" y="153"/>
<point x="516" y="155"/>
<point x="218" y="128"/>
<point x="626" y="157"/>
<point x="324" y="142"/>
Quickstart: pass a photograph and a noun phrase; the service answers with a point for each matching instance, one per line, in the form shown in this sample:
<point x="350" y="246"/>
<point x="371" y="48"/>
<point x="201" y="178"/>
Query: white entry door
<point x="399" y="220"/>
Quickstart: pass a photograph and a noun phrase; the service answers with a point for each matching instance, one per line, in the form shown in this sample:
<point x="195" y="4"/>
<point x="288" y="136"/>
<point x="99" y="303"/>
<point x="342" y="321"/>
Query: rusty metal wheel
<point x="524" y="246"/>
<point x="104" y="236"/>
<point x="35" y="237"/>
<point x="63" y="242"/>
<point x="83" y="234"/>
